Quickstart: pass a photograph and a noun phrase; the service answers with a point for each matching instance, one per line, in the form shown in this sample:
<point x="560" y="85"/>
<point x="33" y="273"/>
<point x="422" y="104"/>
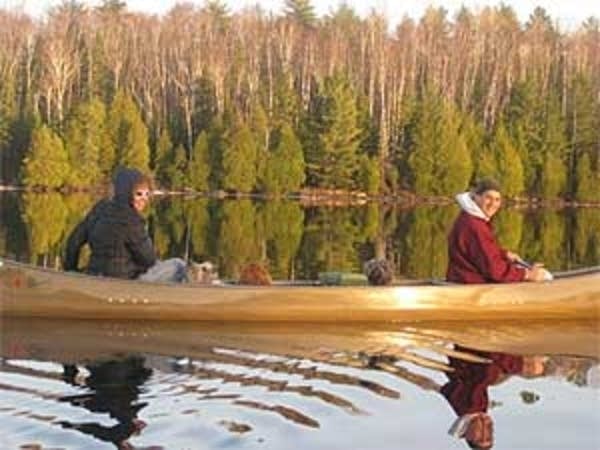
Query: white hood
<point x="469" y="206"/>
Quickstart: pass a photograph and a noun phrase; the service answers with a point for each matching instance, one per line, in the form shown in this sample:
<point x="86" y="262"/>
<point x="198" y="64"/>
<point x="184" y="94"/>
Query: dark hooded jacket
<point x="116" y="233"/>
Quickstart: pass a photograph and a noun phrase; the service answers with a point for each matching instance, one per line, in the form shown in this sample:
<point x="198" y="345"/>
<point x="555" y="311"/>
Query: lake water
<point x="149" y="385"/>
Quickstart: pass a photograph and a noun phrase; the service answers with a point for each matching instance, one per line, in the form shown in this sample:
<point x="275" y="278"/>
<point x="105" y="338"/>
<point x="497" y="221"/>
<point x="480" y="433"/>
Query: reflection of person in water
<point x="467" y="391"/>
<point x="116" y="386"/>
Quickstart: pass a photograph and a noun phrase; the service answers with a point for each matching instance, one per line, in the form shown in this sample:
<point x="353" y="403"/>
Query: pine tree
<point x="301" y="11"/>
<point x="47" y="162"/>
<point x="285" y="166"/>
<point x="239" y="159"/>
<point x="87" y="143"/>
<point x="128" y="133"/>
<point x="332" y="137"/>
<point x="199" y="165"/>
<point x="177" y="169"/>
<point x="259" y="125"/>
<point x="163" y="157"/>
<point x="584" y="121"/>
<point x="508" y="167"/>
<point x="525" y="120"/>
<point x="554" y="173"/>
<point x="440" y="160"/>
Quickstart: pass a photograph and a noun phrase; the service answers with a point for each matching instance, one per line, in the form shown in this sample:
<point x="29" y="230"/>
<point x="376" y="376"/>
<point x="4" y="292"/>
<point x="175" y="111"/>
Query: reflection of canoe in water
<point x="30" y="291"/>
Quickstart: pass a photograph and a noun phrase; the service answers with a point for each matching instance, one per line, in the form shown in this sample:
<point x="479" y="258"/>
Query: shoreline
<point x="326" y="197"/>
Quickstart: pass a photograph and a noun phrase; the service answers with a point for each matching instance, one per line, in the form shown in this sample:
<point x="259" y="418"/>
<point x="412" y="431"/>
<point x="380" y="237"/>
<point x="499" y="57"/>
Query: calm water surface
<point x="88" y="385"/>
<point x="128" y="385"/>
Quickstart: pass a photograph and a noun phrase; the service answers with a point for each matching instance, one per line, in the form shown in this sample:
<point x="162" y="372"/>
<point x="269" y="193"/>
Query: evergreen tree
<point x="87" y="143"/>
<point x="332" y="136"/>
<point x="259" y="125"/>
<point x="199" y="165"/>
<point x="239" y="159"/>
<point x="128" y="133"/>
<point x="584" y="120"/>
<point x="525" y="119"/>
<point x="440" y="160"/>
<point x="302" y="11"/>
<point x="163" y="157"/>
<point x="508" y="167"/>
<point x="47" y="162"/>
<point x="554" y="174"/>
<point x="285" y="166"/>
<point x="369" y="175"/>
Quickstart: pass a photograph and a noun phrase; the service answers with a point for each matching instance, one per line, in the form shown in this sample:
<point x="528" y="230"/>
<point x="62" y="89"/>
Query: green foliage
<point x="259" y="125"/>
<point x="239" y="159"/>
<point x="587" y="237"/>
<point x="45" y="216"/>
<point x="525" y="119"/>
<point x="508" y="225"/>
<point x="426" y="246"/>
<point x="198" y="221"/>
<point x="128" y="133"/>
<point x="301" y="11"/>
<point x="47" y="162"/>
<point x="177" y="170"/>
<point x="440" y="160"/>
<point x="369" y="175"/>
<point x="554" y="174"/>
<point x="503" y="162"/>
<point x="162" y="159"/>
<point x="87" y="142"/>
<point x="329" y="241"/>
<point x="584" y="123"/>
<point x="238" y="242"/>
<point x="284" y="225"/>
<point x="284" y="171"/>
<point x="553" y="236"/>
<point x="199" y="165"/>
<point x="332" y="136"/>
<point x="588" y="181"/>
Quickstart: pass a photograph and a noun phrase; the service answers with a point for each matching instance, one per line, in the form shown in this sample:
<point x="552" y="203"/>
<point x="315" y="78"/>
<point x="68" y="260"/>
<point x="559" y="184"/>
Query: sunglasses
<point x="145" y="194"/>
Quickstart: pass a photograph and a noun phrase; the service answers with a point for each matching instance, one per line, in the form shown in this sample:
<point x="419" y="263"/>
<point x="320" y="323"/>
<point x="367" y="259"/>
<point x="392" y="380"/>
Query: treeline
<point x="297" y="242"/>
<point x="253" y="102"/>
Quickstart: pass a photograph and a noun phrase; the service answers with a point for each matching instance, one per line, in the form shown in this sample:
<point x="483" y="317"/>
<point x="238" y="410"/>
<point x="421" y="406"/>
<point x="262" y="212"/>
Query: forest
<point x="208" y="99"/>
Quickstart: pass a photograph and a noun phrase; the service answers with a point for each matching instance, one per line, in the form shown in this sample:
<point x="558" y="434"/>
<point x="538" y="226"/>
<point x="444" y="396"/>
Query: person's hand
<point x="536" y="273"/>
<point x="512" y="257"/>
<point x="534" y="366"/>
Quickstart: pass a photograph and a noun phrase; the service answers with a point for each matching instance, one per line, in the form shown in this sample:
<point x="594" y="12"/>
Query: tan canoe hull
<point x="27" y="291"/>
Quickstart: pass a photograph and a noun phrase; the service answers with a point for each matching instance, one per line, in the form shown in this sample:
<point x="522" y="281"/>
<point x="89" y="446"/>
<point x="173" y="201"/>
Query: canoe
<point x="29" y="291"/>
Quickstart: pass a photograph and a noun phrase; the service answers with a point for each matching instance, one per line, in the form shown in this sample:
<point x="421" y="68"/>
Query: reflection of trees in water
<point x="587" y="237"/>
<point x="509" y="229"/>
<point x="45" y="216"/>
<point x="239" y="241"/>
<point x="426" y="241"/>
<point x="283" y="225"/>
<point x="288" y="385"/>
<point x="300" y="242"/>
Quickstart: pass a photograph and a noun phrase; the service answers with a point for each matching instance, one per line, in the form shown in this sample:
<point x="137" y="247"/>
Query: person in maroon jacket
<point x="467" y="390"/>
<point x="474" y="255"/>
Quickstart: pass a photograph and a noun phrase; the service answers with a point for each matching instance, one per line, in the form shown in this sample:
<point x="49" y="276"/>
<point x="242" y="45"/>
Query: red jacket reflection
<point x="474" y="255"/>
<point x="467" y="386"/>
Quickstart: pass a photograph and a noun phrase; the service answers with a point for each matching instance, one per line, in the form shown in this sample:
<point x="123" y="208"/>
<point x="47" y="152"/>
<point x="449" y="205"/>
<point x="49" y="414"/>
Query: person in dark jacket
<point x="474" y="255"/>
<point x="116" y="233"/>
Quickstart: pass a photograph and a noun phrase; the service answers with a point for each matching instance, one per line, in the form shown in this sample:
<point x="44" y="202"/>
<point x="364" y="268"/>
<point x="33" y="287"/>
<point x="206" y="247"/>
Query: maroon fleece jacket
<point x="474" y="255"/>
